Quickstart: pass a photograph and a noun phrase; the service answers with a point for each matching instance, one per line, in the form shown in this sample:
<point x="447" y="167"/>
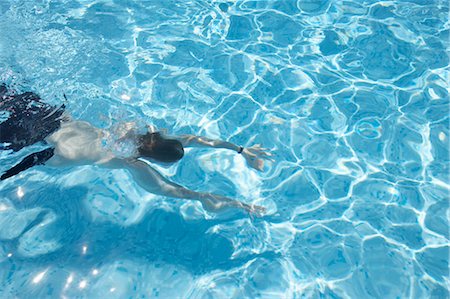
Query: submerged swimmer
<point x="74" y="142"/>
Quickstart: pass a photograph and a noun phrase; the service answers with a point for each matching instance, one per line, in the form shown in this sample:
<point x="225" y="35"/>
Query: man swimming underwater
<point x="74" y="142"/>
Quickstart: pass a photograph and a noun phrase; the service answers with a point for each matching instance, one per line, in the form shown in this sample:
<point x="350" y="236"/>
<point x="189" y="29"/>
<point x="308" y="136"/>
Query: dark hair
<point x="155" y="146"/>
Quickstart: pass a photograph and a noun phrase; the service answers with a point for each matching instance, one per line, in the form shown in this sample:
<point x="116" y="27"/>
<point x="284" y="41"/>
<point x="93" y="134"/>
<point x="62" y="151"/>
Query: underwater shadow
<point x="160" y="237"/>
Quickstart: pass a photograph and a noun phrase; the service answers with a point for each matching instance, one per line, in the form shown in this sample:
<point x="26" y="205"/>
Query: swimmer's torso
<point x="78" y="142"/>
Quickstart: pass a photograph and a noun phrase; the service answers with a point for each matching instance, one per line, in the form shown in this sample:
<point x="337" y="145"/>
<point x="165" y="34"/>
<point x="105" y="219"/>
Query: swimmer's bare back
<point x="80" y="143"/>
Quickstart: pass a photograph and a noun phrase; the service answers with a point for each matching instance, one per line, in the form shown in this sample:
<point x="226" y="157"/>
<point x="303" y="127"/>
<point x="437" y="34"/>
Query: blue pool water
<point x="351" y="96"/>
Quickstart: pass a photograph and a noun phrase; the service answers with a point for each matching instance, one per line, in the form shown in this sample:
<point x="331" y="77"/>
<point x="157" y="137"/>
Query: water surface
<point x="351" y="97"/>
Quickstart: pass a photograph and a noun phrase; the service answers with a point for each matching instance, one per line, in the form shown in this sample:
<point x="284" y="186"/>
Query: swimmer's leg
<point x="29" y="161"/>
<point x="152" y="181"/>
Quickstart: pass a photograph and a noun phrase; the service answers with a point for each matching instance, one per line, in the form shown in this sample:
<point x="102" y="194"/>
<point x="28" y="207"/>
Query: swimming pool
<point x="351" y="96"/>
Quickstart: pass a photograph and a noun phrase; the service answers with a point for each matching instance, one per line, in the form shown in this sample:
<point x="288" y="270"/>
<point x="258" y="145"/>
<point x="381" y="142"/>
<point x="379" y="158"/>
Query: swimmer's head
<point x="156" y="147"/>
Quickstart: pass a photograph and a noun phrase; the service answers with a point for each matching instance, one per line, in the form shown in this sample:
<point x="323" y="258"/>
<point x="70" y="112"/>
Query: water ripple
<point x="351" y="96"/>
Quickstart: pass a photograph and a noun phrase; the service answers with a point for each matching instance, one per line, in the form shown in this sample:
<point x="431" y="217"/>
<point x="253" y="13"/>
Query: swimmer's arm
<point x="254" y="155"/>
<point x="152" y="181"/>
<point x="200" y="141"/>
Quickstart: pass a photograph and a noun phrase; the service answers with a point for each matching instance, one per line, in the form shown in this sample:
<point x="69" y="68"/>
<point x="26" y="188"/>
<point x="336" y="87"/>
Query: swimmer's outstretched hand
<point x="254" y="210"/>
<point x="255" y="156"/>
<point x="216" y="203"/>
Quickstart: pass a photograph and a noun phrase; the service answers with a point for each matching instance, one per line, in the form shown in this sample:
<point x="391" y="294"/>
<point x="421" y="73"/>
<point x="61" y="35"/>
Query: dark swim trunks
<point x="29" y="121"/>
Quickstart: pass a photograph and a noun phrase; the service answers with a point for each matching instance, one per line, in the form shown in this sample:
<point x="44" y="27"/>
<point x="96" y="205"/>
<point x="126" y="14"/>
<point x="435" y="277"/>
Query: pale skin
<point x="79" y="143"/>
